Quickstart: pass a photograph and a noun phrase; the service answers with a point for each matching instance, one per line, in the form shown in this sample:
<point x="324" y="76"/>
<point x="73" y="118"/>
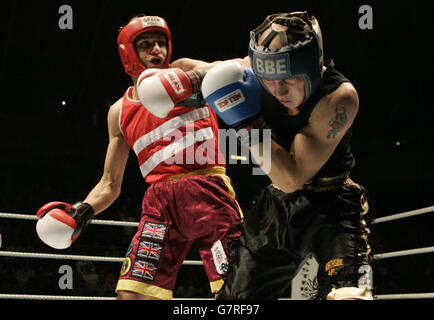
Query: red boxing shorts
<point x="199" y="207"/>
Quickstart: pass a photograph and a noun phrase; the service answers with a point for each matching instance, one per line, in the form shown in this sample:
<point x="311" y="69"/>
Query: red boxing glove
<point x="61" y="223"/>
<point x="147" y="73"/>
<point x="162" y="91"/>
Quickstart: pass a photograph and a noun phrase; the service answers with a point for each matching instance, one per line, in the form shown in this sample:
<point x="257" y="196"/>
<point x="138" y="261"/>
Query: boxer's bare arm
<point x="187" y="64"/>
<point x="314" y="144"/>
<point x="109" y="187"/>
<point x="245" y="62"/>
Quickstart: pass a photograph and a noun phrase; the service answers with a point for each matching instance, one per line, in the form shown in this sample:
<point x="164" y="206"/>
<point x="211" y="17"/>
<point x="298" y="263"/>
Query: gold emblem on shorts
<point x="126" y="265"/>
<point x="332" y="265"/>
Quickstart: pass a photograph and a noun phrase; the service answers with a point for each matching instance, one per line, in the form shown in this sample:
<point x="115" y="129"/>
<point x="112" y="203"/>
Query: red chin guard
<point x="131" y="62"/>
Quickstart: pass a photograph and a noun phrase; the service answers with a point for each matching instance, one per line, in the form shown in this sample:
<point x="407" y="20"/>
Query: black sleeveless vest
<point x="286" y="126"/>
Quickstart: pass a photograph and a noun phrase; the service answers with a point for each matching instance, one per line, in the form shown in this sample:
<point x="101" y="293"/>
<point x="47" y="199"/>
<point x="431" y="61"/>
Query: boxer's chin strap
<point x="350" y="293"/>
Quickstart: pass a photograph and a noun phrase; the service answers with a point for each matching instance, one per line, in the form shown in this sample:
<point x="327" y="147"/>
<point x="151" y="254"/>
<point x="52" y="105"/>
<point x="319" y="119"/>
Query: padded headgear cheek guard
<point x="127" y="34"/>
<point x="303" y="58"/>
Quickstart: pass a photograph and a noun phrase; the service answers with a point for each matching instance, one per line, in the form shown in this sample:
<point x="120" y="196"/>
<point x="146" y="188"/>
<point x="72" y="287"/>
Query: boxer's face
<point x="290" y="92"/>
<point x="151" y="48"/>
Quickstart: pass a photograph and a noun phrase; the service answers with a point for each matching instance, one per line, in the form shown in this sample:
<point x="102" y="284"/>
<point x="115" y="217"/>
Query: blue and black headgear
<point x="301" y="52"/>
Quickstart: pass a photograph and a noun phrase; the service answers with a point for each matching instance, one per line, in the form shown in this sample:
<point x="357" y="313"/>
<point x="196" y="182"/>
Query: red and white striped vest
<point x="186" y="140"/>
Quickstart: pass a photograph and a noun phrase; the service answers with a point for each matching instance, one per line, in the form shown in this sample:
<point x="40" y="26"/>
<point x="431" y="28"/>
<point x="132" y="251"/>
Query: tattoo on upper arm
<point x="338" y="122"/>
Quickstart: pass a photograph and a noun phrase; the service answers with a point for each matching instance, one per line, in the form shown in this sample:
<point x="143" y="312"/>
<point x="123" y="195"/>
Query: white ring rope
<point x="403" y="253"/>
<point x="49" y="297"/>
<point x="135" y="224"/>
<point x="192" y="262"/>
<point x="16" y="254"/>
<point x="95" y="221"/>
<point x="428" y="295"/>
<point x="404" y="215"/>
<point x="54" y="297"/>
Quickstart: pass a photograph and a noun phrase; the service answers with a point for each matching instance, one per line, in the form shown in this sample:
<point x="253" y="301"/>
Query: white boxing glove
<point x="233" y="92"/>
<point x="160" y="91"/>
<point x="61" y="223"/>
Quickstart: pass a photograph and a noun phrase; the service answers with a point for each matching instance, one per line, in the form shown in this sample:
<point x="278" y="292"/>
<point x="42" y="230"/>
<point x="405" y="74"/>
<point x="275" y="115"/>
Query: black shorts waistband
<point x="322" y="184"/>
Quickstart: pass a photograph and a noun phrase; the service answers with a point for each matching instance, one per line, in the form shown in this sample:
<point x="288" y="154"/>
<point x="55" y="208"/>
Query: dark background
<point x="51" y="151"/>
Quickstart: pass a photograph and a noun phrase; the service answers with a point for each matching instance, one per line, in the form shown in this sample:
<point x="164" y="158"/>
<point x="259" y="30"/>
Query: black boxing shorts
<point x="280" y="230"/>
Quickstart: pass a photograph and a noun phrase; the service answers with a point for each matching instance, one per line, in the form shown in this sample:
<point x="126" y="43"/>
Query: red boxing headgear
<point x="132" y="64"/>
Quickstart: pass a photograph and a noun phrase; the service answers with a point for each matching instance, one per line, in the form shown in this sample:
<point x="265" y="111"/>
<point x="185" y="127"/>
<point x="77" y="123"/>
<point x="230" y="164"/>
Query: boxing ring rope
<point x="95" y="221"/>
<point x="404" y="215"/>
<point x="192" y="262"/>
<point x="51" y="297"/>
<point x="16" y="254"/>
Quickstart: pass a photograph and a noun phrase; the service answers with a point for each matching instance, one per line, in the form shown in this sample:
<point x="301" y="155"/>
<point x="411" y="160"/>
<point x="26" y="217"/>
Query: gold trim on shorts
<point x="231" y="191"/>
<point x="144" y="288"/>
<point x="211" y="171"/>
<point x="216" y="285"/>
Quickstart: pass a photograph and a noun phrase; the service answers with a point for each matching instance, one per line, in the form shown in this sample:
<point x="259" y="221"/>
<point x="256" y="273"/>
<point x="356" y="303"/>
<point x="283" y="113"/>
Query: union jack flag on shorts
<point x="144" y="269"/>
<point x="148" y="249"/>
<point x="153" y="230"/>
